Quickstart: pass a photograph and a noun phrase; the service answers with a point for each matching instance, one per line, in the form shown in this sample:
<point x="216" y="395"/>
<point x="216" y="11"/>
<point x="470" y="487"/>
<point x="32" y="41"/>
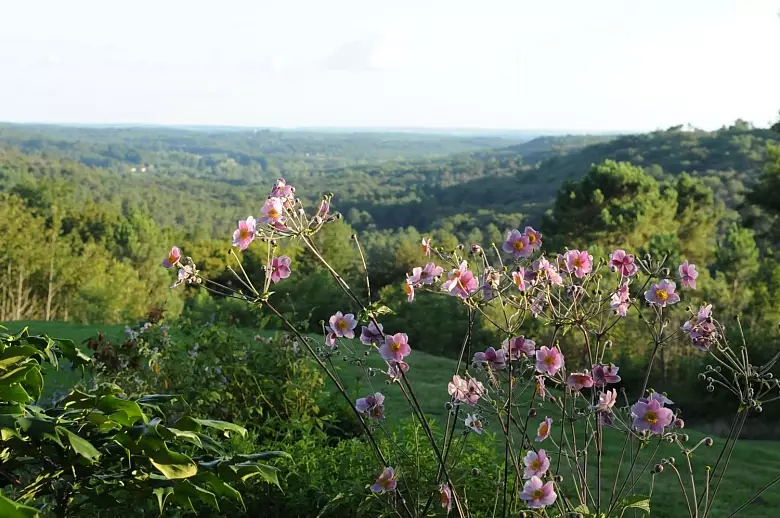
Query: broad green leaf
<point x="162" y="494"/>
<point x="185" y="435"/>
<point x="641" y="502"/>
<point x="77" y="399"/>
<point x="16" y="354"/>
<point x="265" y="455"/>
<point x="189" y="489"/>
<point x="14" y="394"/>
<point x="80" y="445"/>
<point x="17" y="374"/>
<point x="173" y="465"/>
<point x="157" y="399"/>
<point x="219" y="487"/>
<point x="33" y="382"/>
<point x="112" y="404"/>
<point x="247" y="470"/>
<point x="71" y="352"/>
<point x="10" y="509"/>
<point x="192" y="424"/>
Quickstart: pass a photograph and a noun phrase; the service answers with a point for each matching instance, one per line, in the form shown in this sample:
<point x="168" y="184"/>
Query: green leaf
<point x="128" y="412"/>
<point x="173" y="433"/>
<point x="80" y="445"/>
<point x="10" y="509"/>
<point x="192" y="424"/>
<point x="17" y="374"/>
<point x="71" y="352"/>
<point x="248" y="470"/>
<point x="33" y="382"/>
<point x="190" y="490"/>
<point x="14" y="393"/>
<point x="173" y="465"/>
<point x="220" y="488"/>
<point x="17" y="354"/>
<point x="157" y="399"/>
<point x="640" y="502"/>
<point x="162" y="494"/>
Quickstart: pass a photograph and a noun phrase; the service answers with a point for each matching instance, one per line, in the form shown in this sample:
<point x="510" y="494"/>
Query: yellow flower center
<point x="171" y="258"/>
<point x="543" y="429"/>
<point x="538" y="494"/>
<point x="661" y="295"/>
<point x="518" y="245"/>
<point x="532" y="238"/>
<point x="342" y="324"/>
<point x="577" y="262"/>
<point x="651" y="417"/>
<point x="395" y="346"/>
<point x="536" y="465"/>
<point x="244" y="233"/>
<point x="549" y="361"/>
<point x="408" y="288"/>
<point x="273" y="213"/>
<point x="444" y="498"/>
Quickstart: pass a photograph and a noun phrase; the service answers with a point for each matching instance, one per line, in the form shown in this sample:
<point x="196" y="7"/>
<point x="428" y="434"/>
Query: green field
<point x="754" y="463"/>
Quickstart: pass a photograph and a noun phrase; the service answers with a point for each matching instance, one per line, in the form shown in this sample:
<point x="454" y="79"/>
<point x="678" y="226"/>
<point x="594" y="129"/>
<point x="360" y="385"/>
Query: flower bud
<point x="558" y="478"/>
<point x="532" y="412"/>
<point x="475" y="472"/>
<point x="679" y="423"/>
<point x="658" y="468"/>
<point x="708" y="442"/>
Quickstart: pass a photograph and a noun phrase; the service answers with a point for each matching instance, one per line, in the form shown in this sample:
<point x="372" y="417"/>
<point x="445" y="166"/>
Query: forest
<point x="87" y="215"/>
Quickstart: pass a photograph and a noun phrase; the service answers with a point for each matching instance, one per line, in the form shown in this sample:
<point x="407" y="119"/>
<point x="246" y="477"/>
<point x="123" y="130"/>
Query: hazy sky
<point x="553" y="64"/>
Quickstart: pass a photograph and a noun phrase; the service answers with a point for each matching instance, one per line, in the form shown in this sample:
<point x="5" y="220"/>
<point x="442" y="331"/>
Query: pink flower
<point x="280" y="268"/>
<point x="517" y="244"/>
<point x="518" y="278"/>
<point x="324" y="208"/>
<point x="651" y="415"/>
<point x="385" y="482"/>
<point x="475" y="390"/>
<point x="544" y="269"/>
<point x="537" y="305"/>
<point x="536" y="494"/>
<point x="330" y="338"/>
<point x="536" y="464"/>
<point x="657" y="396"/>
<point x="282" y="190"/>
<point x="621" y="301"/>
<point x="604" y="374"/>
<point x="174" y="256"/>
<point x="549" y="360"/>
<point x="496" y="359"/>
<point x="396" y="370"/>
<point x="446" y="497"/>
<point x="461" y="282"/>
<point x="534" y="238"/>
<point x="579" y="380"/>
<point x="688" y="275"/>
<point x="372" y="406"/>
<point x="540" y="387"/>
<point x="543" y="432"/>
<point x="702" y="329"/>
<point x="273" y="213"/>
<point x="343" y="325"/>
<point x="579" y="263"/>
<point x="518" y="347"/>
<point x="371" y="334"/>
<point x="473" y="421"/>
<point x="623" y="263"/>
<point x="409" y="290"/>
<point x="245" y="233"/>
<point x="426" y="246"/>
<point x="662" y="294"/>
<point x="458" y="388"/>
<point x="396" y="347"/>
<point x="430" y="273"/>
<point x="606" y="401"/>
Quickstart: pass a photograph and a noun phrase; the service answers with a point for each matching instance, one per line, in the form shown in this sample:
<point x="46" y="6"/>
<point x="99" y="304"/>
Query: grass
<point x="754" y="463"/>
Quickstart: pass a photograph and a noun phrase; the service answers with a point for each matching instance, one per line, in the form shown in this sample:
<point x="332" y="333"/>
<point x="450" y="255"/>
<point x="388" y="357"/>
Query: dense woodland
<point x="87" y="214"/>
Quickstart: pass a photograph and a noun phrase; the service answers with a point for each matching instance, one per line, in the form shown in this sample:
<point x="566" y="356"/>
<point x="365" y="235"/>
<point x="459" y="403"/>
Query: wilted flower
<point x="446" y="497"/>
<point x="518" y="278"/>
<point x="544" y="269"/>
<point x="543" y="432"/>
<point x="458" y="388"/>
<point x="579" y="380"/>
<point x="282" y="190"/>
<point x="549" y="360"/>
<point x="534" y="238"/>
<point x="245" y="233"/>
<point x="621" y="301"/>
<point x="651" y="415"/>
<point x="537" y="304"/>
<point x="662" y="294"/>
<point x="702" y="329"/>
<point x="688" y="275"/>
<point x="280" y="268"/>
<point x="623" y="263"/>
<point x="461" y="282"/>
<point x="536" y="494"/>
<point x="578" y="263"/>
<point x="343" y="325"/>
<point x="426" y="246"/>
<point x="604" y="374"/>
<point x="187" y="274"/>
<point x="476" y="249"/>
<point x="173" y="257"/>
<point x="371" y="334"/>
<point x="409" y="290"/>
<point x="607" y="400"/>
<point x="496" y="359"/>
<point x="536" y="463"/>
<point x="372" y="406"/>
<point x="273" y="213"/>
<point x="324" y="208"/>
<point x="473" y="421"/>
<point x="385" y="482"/>
<point x="330" y="338"/>
<point x="517" y="244"/>
<point x="519" y="346"/>
<point x="396" y="347"/>
<point x="396" y="370"/>
<point x="540" y="387"/>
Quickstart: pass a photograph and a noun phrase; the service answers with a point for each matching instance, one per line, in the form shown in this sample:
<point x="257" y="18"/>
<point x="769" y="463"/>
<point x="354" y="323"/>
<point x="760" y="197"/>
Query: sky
<point x="606" y="65"/>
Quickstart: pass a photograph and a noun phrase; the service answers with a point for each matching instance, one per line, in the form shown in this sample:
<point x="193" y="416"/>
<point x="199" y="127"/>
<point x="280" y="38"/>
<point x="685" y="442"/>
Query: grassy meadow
<point x="753" y="465"/>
